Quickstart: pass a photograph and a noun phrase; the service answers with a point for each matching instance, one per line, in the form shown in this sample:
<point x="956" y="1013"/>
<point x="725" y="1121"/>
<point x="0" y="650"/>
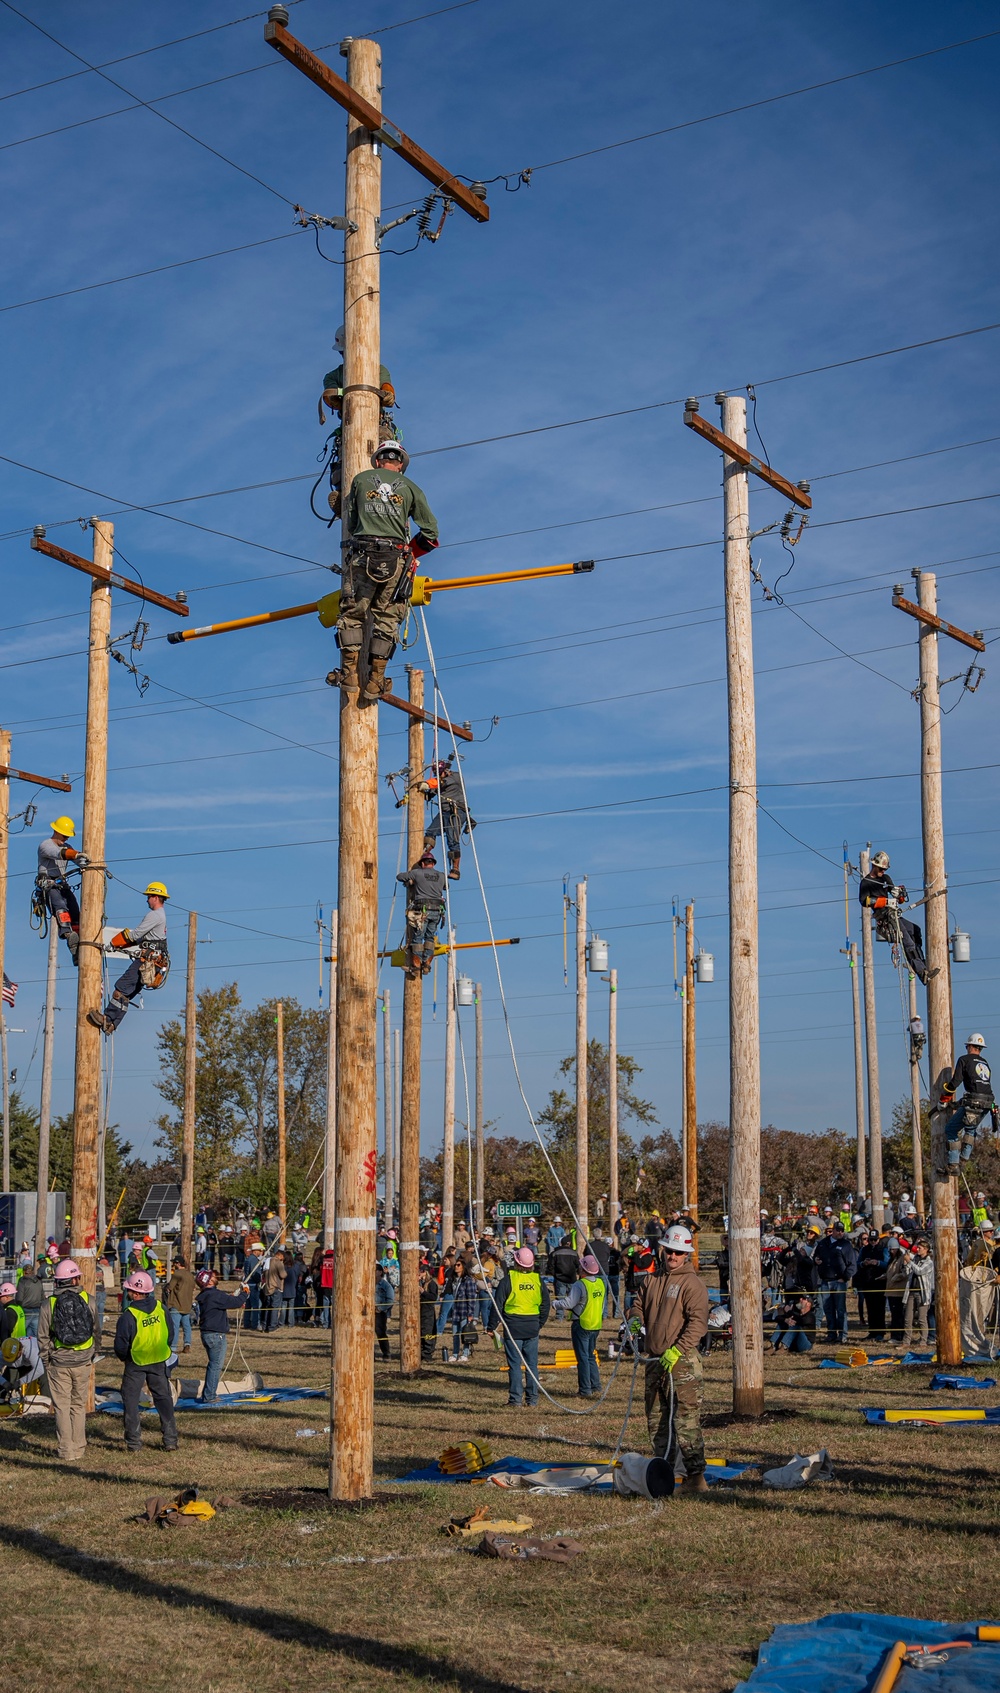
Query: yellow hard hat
<point x="63" y="826"/>
<point x="157" y="888"/>
<point x="10" y="1351"/>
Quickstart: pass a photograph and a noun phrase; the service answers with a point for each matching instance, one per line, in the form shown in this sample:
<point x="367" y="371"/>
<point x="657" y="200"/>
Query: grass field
<point x="672" y="1596"/>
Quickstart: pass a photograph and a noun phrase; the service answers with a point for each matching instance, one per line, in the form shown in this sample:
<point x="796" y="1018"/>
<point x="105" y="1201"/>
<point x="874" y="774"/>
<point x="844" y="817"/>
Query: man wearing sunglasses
<point x="672" y="1306"/>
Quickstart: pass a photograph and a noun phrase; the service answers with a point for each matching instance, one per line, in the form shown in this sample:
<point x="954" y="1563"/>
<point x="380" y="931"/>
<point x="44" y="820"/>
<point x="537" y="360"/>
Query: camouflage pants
<point x="686" y="1436"/>
<point x="367" y="601"/>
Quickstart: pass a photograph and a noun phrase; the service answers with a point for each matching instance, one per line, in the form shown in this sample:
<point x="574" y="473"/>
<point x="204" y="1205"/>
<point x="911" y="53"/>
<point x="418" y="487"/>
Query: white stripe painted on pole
<point x="356" y="1225"/>
<point x="744" y="1234"/>
<point x="409" y="1246"/>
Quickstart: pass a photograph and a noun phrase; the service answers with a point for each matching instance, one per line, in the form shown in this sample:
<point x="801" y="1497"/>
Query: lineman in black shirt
<point x="972" y="1074"/>
<point x="452" y="812"/>
<point x="880" y="894"/>
<point x="424" y="886"/>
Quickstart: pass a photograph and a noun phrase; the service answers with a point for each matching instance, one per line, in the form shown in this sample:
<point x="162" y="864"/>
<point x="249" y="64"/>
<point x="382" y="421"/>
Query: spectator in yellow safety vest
<point x="142" y="1342"/>
<point x="522" y="1304"/>
<point x="585" y="1303"/>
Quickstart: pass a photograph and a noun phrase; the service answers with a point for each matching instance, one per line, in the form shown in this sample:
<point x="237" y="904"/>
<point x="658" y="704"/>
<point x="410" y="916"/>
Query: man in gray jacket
<point x="424" y="885"/>
<point x="148" y="969"/>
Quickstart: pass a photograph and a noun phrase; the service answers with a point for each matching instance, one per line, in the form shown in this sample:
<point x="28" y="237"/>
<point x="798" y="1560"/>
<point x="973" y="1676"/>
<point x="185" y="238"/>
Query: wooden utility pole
<point x="353" y="1407"/>
<point x="875" y="1188"/>
<point x="387" y="1130"/>
<point x="282" y="1161"/>
<point x="916" y="1047"/>
<point x="614" y="1205"/>
<point x="940" y="1034"/>
<point x="89" y="994"/>
<point x="395" y="1122"/>
<point x="480" y="1213"/>
<point x="409" y="1092"/>
<point x="744" y="992"/>
<point x="89" y="997"/>
<point x="582" y="1127"/>
<point x="190" y="1073"/>
<point x="4" y="850"/>
<point x="691" y="1074"/>
<point x="45" y="1103"/>
<point x="448" y="1183"/>
<point x="353" y="1396"/>
<point x="330" y="1141"/>
<point x="859" y="1075"/>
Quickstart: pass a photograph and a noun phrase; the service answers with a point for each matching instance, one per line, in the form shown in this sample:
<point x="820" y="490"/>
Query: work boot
<point x="347" y="676"/>
<point x="73" y="942"/>
<point x="378" y="682"/>
<point x="429" y="843"/>
<point x="99" y="1021"/>
<point x="694" y="1484"/>
<point x="454" y="873"/>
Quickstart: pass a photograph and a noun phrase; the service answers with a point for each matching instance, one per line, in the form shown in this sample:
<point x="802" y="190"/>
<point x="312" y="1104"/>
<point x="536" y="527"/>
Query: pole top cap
<point x="691" y="403"/>
<point x="278" y="15"/>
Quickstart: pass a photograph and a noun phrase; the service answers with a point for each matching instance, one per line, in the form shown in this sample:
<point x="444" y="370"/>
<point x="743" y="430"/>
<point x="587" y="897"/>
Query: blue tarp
<point x="873" y="1358"/>
<point x="976" y="1416"/>
<point x="841" y="1654"/>
<point x="928" y="1358"/>
<point x="959" y="1382"/>
<point x="112" y="1402"/>
<point x="530" y="1466"/>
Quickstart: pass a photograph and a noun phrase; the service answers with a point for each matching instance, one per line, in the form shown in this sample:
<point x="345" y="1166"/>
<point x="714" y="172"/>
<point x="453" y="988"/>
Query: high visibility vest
<point x="151" y="1344"/>
<point x="83" y="1345"/>
<point x="525" y="1296"/>
<point x="19" y="1328"/>
<point x="979" y="1215"/>
<point x="847" y="1220"/>
<point x="592" y="1315"/>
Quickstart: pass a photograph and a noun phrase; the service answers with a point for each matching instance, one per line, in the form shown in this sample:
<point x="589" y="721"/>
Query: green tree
<point x="24" y="1153"/>
<point x="236" y="1095"/>
<point x="558" y="1124"/>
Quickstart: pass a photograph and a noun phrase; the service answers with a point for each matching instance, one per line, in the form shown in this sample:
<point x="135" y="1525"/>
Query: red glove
<point x="421" y="546"/>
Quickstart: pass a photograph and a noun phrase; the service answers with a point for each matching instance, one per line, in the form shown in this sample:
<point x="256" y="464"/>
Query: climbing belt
<point x="569" y="1410"/>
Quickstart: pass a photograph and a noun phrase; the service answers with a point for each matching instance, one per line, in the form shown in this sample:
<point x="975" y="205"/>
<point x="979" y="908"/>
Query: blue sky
<point x="839" y="223"/>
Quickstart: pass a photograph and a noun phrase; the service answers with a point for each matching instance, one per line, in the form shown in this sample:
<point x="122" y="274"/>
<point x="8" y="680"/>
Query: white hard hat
<point x="976" y="1040"/>
<point x="678" y="1239"/>
<point x="763" y="1213"/>
<point x="987" y="1226"/>
<point x="390" y="449"/>
<point x="904" y="1196"/>
<point x="881" y="861"/>
<point x="980" y="1194"/>
<point x="885" y="1193"/>
<point x="338" y="340"/>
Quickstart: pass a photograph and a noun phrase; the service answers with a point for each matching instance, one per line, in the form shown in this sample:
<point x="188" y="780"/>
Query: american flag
<point x="9" y="990"/>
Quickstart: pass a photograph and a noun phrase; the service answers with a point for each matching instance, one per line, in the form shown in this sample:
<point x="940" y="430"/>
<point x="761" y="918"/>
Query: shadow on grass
<point x="819" y="1507"/>
<point x="276" y="1625"/>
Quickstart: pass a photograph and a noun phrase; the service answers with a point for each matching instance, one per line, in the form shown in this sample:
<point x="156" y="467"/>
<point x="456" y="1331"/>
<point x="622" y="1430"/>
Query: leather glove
<point x="892" y="903"/>
<point x="82" y="860"/>
<point x="902" y="894"/>
<point x="420" y="546"/>
<point x="670" y="1358"/>
<point x="387" y="396"/>
<point x="120" y="940"/>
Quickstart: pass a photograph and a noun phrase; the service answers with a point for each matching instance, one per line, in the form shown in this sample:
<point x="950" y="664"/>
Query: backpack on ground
<point x="72" y="1321"/>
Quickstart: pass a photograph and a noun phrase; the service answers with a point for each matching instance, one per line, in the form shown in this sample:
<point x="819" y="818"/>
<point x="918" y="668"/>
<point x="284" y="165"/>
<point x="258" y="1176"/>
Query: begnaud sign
<point x="519" y="1208"/>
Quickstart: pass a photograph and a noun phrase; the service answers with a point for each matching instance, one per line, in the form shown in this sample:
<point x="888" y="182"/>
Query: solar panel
<point x="163" y="1201"/>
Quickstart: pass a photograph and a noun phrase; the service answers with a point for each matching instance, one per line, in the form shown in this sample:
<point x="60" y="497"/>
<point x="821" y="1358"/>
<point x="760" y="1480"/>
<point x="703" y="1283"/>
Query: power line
<point x="249" y="174"/>
<point x="768" y="100"/>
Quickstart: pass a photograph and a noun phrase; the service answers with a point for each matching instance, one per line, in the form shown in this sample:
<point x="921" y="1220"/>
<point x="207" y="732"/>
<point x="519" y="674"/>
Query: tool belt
<point x="378" y="555"/>
<point x="154" y="966"/>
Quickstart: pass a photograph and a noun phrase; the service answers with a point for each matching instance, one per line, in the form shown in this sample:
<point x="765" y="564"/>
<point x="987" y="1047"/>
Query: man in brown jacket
<point x="672" y="1306"/>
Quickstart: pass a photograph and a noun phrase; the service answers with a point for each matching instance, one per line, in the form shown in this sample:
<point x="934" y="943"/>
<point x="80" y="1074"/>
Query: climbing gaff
<point x="423" y="589"/>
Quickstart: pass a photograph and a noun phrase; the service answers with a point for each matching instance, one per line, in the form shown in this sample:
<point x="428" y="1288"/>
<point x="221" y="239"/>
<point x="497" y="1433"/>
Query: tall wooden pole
<point x="582" y="1126"/>
<point x="691" y="1069"/>
<point x="859" y="1075"/>
<point x="45" y="1103"/>
<point x="89" y="996"/>
<point x="448" y="1184"/>
<point x="871" y="1057"/>
<point x="409" y="1092"/>
<point x="744" y="991"/>
<point x="940" y="1034"/>
<point x="352" y="1410"/>
<point x="614" y="1204"/>
<point x="282" y="1159"/>
<point x="480" y="1217"/>
<point x="4" y="849"/>
<point x="190" y="1072"/>
<point x="395" y="1122"/>
<point x="330" y="1144"/>
<point x="918" y="1147"/>
<point x="387" y="1134"/>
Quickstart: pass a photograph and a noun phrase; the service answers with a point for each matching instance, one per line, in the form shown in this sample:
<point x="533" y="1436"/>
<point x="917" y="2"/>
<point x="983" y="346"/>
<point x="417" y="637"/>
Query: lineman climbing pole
<point x="45" y="1103"/>
<point x="744" y="996"/>
<point x="352" y="1408"/>
<point x="87" y="1070"/>
<point x="7" y="775"/>
<point x="875" y="1189"/>
<point x="940" y="1035"/>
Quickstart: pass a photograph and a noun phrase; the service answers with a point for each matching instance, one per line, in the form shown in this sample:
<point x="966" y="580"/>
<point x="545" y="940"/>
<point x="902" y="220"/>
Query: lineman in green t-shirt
<point x="333" y="396"/>
<point x="378" y="564"/>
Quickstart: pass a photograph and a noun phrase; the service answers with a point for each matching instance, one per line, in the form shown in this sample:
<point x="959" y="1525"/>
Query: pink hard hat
<point x="140" y="1281"/>
<point x="7" y="1288"/>
<point x="590" y="1266"/>
<point x="525" y="1257"/>
<point x="67" y="1269"/>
